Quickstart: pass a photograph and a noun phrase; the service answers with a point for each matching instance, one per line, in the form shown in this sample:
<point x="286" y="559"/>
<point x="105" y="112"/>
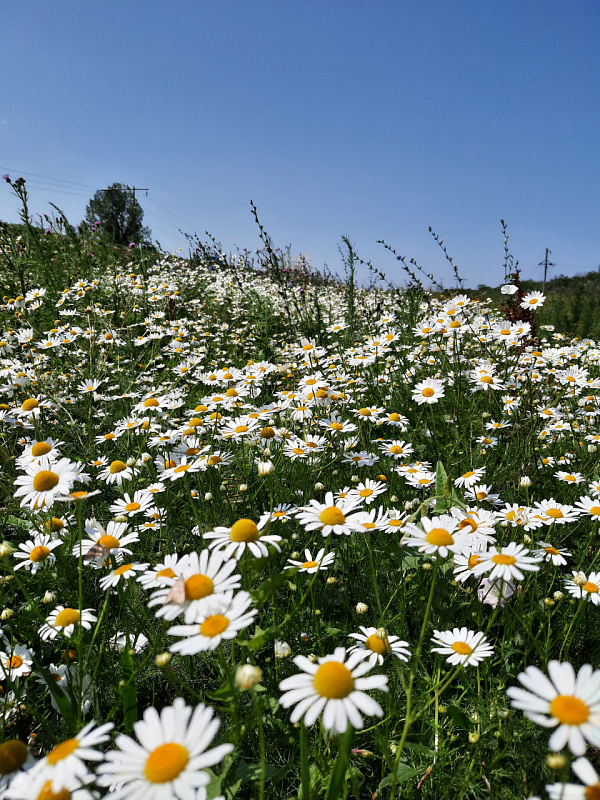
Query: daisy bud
<point x="131" y="461"/>
<point x="208" y="497"/>
<point x="243" y="487"/>
<point x="5" y="549"/>
<point x="247" y="676"/>
<point x="558" y="596"/>
<point x="223" y="487"/>
<point x="331" y="579"/>
<point x="443" y="710"/>
<point x="407" y="505"/>
<point x="527" y="539"/>
<point x="145" y="457"/>
<point x="549" y="601"/>
<point x="355" y="479"/>
<point x="162" y="659"/>
<point x="473" y="737"/>
<point x="265" y="468"/>
<point x="49" y="597"/>
<point x="427" y="566"/>
<point x="6" y="613"/>
<point x="295" y="554"/>
<point x="362" y="608"/>
<point x="591" y="448"/>
<point x="381" y="634"/>
<point x="556" y="761"/>
<point x="525" y="482"/>
<point x="312" y="658"/>
<point x="121" y="518"/>
<point x="503" y="713"/>
<point x="580" y="579"/>
<point x="266" y="454"/>
<point x="393" y="499"/>
<point x="282" y="649"/>
<point x="362" y="753"/>
<point x="319" y="487"/>
<point x="393" y="748"/>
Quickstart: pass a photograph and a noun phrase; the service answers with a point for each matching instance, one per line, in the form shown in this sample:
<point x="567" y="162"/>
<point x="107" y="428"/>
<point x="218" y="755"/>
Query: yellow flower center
<point x="468" y="474"/>
<point x="132" y="507"/>
<point x="166" y="762"/>
<point x="394" y="417"/>
<point x="108" y="541"/>
<point x="502" y="558"/>
<point x="332" y="516"/>
<point x="181" y="468"/>
<point x="487" y="440"/>
<point x="109" y="436"/>
<point x="555" y="513"/>
<point x="30" y="404"/>
<point x="333" y="680"/>
<point x="214" y="460"/>
<point x="309" y="564"/>
<point x="474" y="559"/>
<point x="14" y="662"/>
<point x="244" y="530"/>
<point x="123" y="569"/>
<point x="213" y="626"/>
<point x="241" y="428"/>
<point x="439" y="537"/>
<point x="590" y="587"/>
<point x="151" y="402"/>
<point x="45" y="480"/>
<point x="364" y="412"/>
<point x="595" y="511"/>
<point x="39" y="553"/>
<point x="377" y="645"/>
<point x="396" y="523"/>
<point x="231" y="392"/>
<point x="462" y="648"/>
<point x="13" y="754"/>
<point x="552" y="550"/>
<point x="395" y="449"/>
<point x="198" y="586"/>
<point x="62" y="750"/>
<point x="66" y="617"/>
<point x="569" y="710"/>
<point x="40" y="449"/>
<point x="267" y="433"/>
<point x="366" y="492"/>
<point x="592" y="792"/>
<point x="427" y="392"/>
<point x="486" y="379"/>
<point x="165" y="573"/>
<point x="481" y="495"/>
<point x="117" y="466"/>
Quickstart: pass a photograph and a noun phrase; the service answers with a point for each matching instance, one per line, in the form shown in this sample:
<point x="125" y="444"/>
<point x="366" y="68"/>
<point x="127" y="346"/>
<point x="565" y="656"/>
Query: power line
<point x="46" y="177"/>
<point x="545" y="263"/>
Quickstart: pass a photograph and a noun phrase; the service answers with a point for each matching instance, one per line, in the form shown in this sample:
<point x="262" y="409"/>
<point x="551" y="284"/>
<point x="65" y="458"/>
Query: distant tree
<point x="117" y="213"/>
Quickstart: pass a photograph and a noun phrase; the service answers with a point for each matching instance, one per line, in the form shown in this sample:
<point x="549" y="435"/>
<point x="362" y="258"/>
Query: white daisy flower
<point x="558" y="555"/>
<point x="171" y="760"/>
<point x="16" y="663"/>
<point x="368" y="491"/>
<point x="160" y="575"/>
<point x="330" y="516"/>
<point x="40" y="487"/>
<point x="37" y="553"/>
<point x="462" y="646"/>
<point x="565" y="701"/>
<point x="428" y="391"/>
<point x="506" y="563"/>
<point x="102" y="542"/>
<point x="573" y="791"/>
<point x="15" y="760"/>
<point x="123" y="573"/>
<point x="228" y="617"/>
<point x="310" y="564"/>
<point x="64" y="765"/>
<point x="141" y="503"/>
<point x="373" y="647"/>
<point x="63" y="620"/>
<point x="533" y="300"/>
<point x="201" y="578"/>
<point x="335" y="688"/>
<point x="243" y="534"/>
<point x="437" y="537"/>
<point x="585" y="588"/>
<point x="116" y="472"/>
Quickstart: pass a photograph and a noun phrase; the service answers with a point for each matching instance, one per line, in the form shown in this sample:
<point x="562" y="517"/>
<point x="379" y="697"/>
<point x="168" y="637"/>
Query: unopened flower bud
<point x="312" y="658"/>
<point x="208" y="497"/>
<point x="121" y="518"/>
<point x="556" y="761"/>
<point x="549" y="601"/>
<point x="503" y="713"/>
<point x="265" y="468"/>
<point x="331" y="579"/>
<point x="49" y="597"/>
<point x="525" y="482"/>
<point x="381" y="634"/>
<point x="6" y="613"/>
<point x="558" y="596"/>
<point x="243" y="487"/>
<point x="362" y="608"/>
<point x="319" y="487"/>
<point x="247" y="676"/>
<point x="5" y="549"/>
<point x="473" y="737"/>
<point x="580" y="579"/>
<point x="282" y="649"/>
<point x="355" y="479"/>
<point x="162" y="659"/>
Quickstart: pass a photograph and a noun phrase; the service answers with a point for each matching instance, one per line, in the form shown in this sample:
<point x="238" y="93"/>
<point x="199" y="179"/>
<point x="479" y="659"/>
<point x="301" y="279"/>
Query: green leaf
<point x="403" y="773"/>
<point x="16" y="522"/>
<point x="342" y="763"/>
<point x="261" y="638"/>
<point x="458" y="717"/>
<point x="441" y="479"/>
<point x="267" y="589"/>
<point x="128" y="690"/>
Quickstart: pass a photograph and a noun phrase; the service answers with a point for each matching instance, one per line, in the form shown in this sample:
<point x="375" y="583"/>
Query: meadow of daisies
<point x="271" y="536"/>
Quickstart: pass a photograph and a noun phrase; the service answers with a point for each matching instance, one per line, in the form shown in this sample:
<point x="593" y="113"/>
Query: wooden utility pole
<point x="545" y="263"/>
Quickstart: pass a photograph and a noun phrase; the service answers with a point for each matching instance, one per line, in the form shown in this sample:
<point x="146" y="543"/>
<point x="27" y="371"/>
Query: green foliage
<point x="119" y="215"/>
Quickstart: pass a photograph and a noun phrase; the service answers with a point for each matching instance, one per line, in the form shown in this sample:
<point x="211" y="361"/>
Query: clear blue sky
<point x="371" y="118"/>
